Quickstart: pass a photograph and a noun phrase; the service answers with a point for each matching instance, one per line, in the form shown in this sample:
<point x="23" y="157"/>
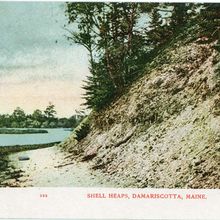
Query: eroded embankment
<point x="165" y="132"/>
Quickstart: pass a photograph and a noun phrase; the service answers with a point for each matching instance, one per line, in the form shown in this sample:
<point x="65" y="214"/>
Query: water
<point x="53" y="135"/>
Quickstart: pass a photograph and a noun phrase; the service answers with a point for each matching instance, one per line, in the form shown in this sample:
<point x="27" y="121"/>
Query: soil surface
<point x="49" y="167"/>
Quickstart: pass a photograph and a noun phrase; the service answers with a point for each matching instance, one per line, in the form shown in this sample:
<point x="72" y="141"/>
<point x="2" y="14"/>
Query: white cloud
<point x="37" y="64"/>
<point x="64" y="63"/>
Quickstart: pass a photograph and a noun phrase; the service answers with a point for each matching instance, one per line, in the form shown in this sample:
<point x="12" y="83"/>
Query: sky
<point x="38" y="64"/>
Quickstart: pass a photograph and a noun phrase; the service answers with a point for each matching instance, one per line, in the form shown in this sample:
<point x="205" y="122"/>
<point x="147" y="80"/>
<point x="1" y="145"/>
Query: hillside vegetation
<point x="164" y="130"/>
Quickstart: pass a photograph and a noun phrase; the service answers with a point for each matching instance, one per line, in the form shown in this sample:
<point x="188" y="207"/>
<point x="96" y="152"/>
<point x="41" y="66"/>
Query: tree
<point x="210" y="20"/>
<point x="63" y="123"/>
<point x="84" y="15"/>
<point x="32" y="123"/>
<point x="38" y="115"/>
<point x="118" y="46"/>
<point x="5" y="120"/>
<point x="107" y="31"/>
<point x="179" y="14"/>
<point x="156" y="30"/>
<point x="99" y="89"/>
<point x="18" y="116"/>
<point x="50" y="111"/>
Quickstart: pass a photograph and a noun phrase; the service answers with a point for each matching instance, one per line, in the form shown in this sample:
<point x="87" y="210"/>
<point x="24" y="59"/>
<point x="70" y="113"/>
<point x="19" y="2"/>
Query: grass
<point x="22" y="131"/>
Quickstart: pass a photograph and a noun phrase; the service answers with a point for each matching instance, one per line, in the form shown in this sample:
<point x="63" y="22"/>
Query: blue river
<point x="53" y="135"/>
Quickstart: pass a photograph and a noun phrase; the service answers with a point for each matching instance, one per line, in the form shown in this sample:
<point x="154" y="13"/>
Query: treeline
<point x="122" y="37"/>
<point x="39" y="119"/>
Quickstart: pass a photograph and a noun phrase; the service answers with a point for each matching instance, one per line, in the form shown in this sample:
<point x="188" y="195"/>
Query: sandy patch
<point x="49" y="167"/>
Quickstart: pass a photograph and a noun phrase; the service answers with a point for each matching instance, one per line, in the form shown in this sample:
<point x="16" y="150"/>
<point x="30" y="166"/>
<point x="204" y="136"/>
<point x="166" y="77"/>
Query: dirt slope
<point x="165" y="132"/>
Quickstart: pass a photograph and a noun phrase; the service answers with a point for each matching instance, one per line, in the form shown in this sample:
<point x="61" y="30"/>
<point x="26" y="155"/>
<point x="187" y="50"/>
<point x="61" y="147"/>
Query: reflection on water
<point x="53" y="135"/>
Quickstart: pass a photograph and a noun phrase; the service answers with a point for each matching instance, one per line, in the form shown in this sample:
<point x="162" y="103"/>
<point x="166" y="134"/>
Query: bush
<point x="82" y="129"/>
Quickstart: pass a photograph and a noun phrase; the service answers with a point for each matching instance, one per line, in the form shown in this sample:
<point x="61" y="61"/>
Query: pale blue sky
<point x="37" y="63"/>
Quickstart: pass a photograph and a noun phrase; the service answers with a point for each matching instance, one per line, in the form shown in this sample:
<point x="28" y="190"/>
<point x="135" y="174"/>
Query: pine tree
<point x="106" y="30"/>
<point x="99" y="89"/>
<point x="179" y="14"/>
<point x="210" y="20"/>
<point x="155" y="31"/>
<point x="117" y="47"/>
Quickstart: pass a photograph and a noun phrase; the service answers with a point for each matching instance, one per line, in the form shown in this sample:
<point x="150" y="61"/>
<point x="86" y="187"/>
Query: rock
<point x="22" y="158"/>
<point x="90" y="154"/>
<point x="198" y="162"/>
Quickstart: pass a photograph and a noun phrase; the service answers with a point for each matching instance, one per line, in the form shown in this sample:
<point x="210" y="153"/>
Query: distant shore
<point x="22" y="131"/>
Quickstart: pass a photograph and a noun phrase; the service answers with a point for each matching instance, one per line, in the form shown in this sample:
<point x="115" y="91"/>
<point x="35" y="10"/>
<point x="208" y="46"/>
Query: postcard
<point x="109" y="110"/>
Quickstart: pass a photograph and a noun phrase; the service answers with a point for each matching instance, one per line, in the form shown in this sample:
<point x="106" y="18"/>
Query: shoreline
<point x="4" y="150"/>
<point x="10" y="172"/>
<point x="50" y="167"/>
<point x="22" y="131"/>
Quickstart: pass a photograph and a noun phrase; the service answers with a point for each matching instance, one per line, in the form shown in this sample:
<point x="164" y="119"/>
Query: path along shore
<point x="49" y="167"/>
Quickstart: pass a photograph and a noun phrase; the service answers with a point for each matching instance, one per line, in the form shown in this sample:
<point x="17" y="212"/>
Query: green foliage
<point x="107" y="31"/>
<point x="38" y="115"/>
<point x="210" y="20"/>
<point x="99" y="88"/>
<point x="82" y="130"/>
<point x="50" y="111"/>
<point x="157" y="32"/>
<point x="120" y="37"/>
<point x="39" y="119"/>
<point x="18" y="116"/>
<point x="180" y="14"/>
